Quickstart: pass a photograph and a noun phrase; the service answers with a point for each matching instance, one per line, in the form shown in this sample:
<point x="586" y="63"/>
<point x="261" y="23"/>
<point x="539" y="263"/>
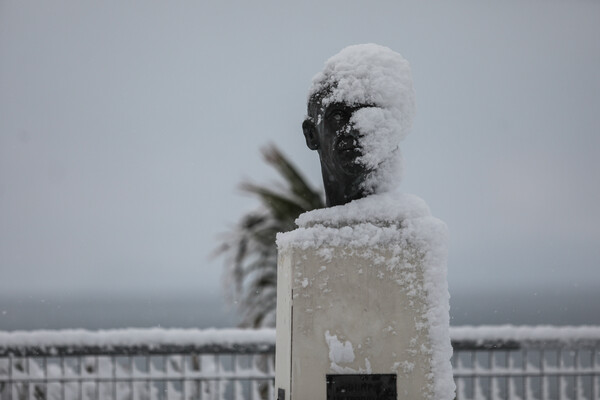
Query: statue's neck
<point x="341" y="189"/>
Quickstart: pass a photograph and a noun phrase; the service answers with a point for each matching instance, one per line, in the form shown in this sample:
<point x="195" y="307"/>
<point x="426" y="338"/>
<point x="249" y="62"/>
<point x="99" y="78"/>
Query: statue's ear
<point x="310" y="134"/>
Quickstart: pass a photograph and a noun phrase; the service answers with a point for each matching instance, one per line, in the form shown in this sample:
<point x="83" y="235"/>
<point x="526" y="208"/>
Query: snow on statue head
<point x="359" y="109"/>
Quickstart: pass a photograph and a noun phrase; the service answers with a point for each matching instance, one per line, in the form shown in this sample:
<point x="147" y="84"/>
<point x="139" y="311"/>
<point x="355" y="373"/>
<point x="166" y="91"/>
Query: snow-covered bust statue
<point x="359" y="109"/>
<point x="373" y="255"/>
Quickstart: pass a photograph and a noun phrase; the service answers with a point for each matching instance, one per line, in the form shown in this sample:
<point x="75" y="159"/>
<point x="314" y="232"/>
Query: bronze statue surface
<point x="359" y="108"/>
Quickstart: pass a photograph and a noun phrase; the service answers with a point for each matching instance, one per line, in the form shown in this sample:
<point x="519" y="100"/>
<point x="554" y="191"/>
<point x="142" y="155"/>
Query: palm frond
<point x="297" y="184"/>
<point x="249" y="249"/>
<point x="283" y="208"/>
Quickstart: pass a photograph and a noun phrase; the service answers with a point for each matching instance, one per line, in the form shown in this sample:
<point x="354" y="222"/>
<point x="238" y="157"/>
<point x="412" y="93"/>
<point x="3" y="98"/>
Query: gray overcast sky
<point x="125" y="128"/>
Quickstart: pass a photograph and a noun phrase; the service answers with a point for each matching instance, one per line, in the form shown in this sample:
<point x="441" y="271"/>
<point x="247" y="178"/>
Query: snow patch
<point x="343" y="353"/>
<point x="546" y="333"/>
<point x="151" y="337"/>
<point x="406" y="366"/>
<point x="212" y="336"/>
<point x="339" y="352"/>
<point x="382" y="209"/>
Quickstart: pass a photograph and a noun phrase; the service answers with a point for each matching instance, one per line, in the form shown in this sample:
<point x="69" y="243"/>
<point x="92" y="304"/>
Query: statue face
<point x="360" y="107"/>
<point x="331" y="132"/>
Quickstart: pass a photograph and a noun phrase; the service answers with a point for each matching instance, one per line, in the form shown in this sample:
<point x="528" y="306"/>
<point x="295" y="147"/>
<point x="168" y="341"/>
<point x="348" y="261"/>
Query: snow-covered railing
<point x="151" y="341"/>
<point x="137" y="364"/>
<point x="493" y="362"/>
<point x="539" y="362"/>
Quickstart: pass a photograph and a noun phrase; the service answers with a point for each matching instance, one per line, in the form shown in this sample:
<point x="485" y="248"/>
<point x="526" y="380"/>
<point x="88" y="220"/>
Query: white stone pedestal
<point x="362" y="290"/>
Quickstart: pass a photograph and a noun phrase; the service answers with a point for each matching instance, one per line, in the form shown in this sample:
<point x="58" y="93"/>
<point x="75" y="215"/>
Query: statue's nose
<point x="352" y="132"/>
<point x="349" y="138"/>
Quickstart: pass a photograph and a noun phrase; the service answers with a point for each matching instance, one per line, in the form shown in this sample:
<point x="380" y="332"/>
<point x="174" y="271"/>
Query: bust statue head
<point x="359" y="108"/>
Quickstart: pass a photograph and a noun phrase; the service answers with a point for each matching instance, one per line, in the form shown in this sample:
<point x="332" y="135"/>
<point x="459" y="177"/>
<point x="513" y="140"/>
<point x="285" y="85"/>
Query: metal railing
<point x="488" y="363"/>
<point x="526" y="363"/>
<point x="137" y="364"/>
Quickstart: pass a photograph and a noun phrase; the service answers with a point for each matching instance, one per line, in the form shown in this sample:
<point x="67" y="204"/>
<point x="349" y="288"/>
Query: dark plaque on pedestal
<point x="361" y="387"/>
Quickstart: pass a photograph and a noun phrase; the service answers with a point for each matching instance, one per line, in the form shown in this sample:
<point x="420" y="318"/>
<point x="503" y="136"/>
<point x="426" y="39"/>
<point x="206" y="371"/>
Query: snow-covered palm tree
<point x="249" y="249"/>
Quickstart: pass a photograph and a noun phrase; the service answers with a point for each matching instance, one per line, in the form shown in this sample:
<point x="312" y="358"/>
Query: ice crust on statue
<point x="378" y="76"/>
<point x="400" y="223"/>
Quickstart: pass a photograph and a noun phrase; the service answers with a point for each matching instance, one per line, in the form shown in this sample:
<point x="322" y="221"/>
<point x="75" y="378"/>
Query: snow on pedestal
<point x="362" y="290"/>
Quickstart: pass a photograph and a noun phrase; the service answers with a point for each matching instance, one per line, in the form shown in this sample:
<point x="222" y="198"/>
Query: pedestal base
<point x="363" y="298"/>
